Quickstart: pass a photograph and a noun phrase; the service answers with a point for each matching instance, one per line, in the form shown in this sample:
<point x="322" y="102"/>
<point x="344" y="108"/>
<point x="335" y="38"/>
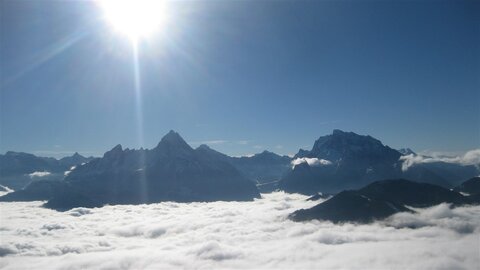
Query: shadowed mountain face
<point x="36" y="191"/>
<point x="172" y="171"/>
<point x="380" y="200"/>
<point x="265" y="169"/>
<point x="471" y="186"/>
<point x="353" y="161"/>
<point x="74" y="160"/>
<point x="16" y="168"/>
<point x="349" y="206"/>
<point x="345" y="160"/>
<point x="406" y="151"/>
<point x="261" y="168"/>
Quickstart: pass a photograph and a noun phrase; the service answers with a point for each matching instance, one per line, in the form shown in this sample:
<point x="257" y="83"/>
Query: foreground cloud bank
<point x="232" y="235"/>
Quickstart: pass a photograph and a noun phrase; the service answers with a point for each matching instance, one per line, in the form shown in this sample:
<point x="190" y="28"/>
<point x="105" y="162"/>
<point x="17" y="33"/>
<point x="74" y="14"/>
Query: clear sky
<point x="243" y="76"/>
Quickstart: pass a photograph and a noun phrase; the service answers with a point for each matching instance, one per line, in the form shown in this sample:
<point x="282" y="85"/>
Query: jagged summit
<point x="341" y="145"/>
<point x="270" y="156"/>
<point x="172" y="171"/>
<point x="340" y="132"/>
<point x="406" y="151"/>
<point x="114" y="153"/>
<point x="212" y="153"/>
<point x="172" y="135"/>
<point x="173" y="139"/>
<point x="13" y="153"/>
<point x="116" y="149"/>
<point x="356" y="160"/>
<point x="265" y="152"/>
<point x="204" y="147"/>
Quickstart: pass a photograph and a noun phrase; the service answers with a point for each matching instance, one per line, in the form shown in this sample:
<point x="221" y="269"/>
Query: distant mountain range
<point x="18" y="169"/>
<point x="263" y="168"/>
<point x="384" y="198"/>
<point x="175" y="171"/>
<point x="346" y="160"/>
<point x="172" y="171"/>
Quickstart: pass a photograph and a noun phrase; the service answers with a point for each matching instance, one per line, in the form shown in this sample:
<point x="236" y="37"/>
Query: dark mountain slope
<point x="345" y="160"/>
<point x="380" y="200"/>
<point x="172" y="171"/>
<point x="18" y="169"/>
<point x="471" y="186"/>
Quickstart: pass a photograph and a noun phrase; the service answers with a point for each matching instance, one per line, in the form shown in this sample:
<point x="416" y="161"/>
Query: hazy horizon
<point x="216" y="145"/>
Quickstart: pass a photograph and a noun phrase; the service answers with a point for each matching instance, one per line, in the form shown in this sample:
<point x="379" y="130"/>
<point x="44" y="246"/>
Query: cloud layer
<point x="232" y="235"/>
<point x="471" y="157"/>
<point x="311" y="162"/>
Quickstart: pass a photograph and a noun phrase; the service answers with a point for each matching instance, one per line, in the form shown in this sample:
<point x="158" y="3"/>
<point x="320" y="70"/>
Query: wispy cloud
<point x="243" y="142"/>
<point x="471" y="157"/>
<point x="39" y="174"/>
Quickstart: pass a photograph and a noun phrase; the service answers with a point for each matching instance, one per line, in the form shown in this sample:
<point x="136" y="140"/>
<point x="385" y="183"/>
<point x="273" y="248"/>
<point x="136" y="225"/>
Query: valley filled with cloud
<point x="233" y="235"/>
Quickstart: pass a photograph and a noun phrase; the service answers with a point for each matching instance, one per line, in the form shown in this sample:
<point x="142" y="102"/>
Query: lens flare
<point x="135" y="18"/>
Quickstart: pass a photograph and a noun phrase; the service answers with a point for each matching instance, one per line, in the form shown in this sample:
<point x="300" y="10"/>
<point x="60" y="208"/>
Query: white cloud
<point x="471" y="157"/>
<point x="245" y="155"/>
<point x="232" y="235"/>
<point x="39" y="174"/>
<point x="3" y="191"/>
<point x="71" y="169"/>
<point x="313" y="162"/>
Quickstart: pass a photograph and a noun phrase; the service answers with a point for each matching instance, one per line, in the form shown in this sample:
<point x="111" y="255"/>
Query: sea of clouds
<point x="233" y="235"/>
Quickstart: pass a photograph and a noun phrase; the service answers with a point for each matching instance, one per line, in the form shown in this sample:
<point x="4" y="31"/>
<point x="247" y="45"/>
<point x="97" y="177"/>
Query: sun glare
<point x="135" y="18"/>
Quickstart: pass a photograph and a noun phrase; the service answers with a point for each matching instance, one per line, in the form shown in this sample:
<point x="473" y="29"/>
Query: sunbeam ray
<point x="46" y="55"/>
<point x="139" y="117"/>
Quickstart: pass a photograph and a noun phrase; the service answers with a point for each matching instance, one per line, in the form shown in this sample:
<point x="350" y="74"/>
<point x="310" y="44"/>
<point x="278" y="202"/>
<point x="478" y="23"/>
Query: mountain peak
<point x="406" y="151"/>
<point x="13" y="153"/>
<point x="347" y="134"/>
<point x="204" y="147"/>
<point x="117" y="148"/>
<point x="114" y="152"/>
<point x="173" y="137"/>
<point x="339" y="132"/>
<point x="341" y="144"/>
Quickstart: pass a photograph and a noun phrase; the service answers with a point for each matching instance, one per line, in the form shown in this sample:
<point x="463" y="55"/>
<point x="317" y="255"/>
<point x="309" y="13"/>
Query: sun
<point x="135" y="18"/>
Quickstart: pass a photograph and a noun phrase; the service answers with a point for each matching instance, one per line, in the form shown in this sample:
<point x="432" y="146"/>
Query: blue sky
<point x="242" y="75"/>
